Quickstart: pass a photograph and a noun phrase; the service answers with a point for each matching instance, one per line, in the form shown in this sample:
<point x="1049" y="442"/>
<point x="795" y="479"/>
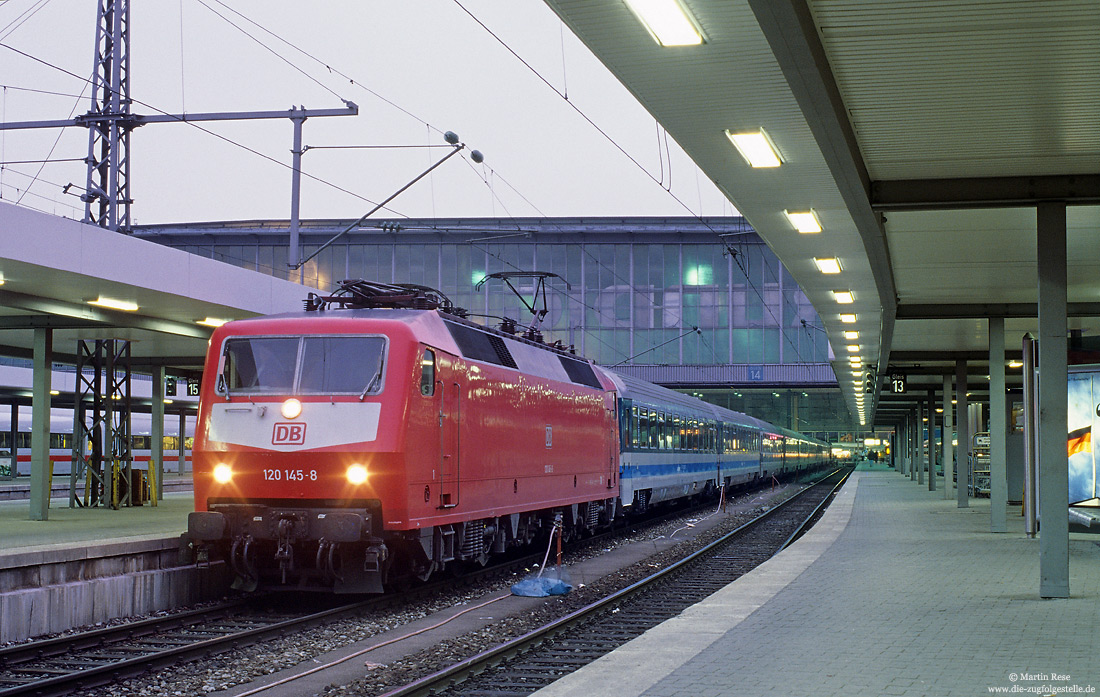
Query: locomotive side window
<point x="427" y="373"/>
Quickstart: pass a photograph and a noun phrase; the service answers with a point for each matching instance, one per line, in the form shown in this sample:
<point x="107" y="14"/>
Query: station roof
<point x="921" y="134"/>
<point x="52" y="267"/>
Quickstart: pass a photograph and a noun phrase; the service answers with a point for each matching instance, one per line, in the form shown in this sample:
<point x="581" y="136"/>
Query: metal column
<point x="40" y="424"/>
<point x="1031" y="448"/>
<point x="14" y="450"/>
<point x="920" y="443"/>
<point x="1053" y="407"/>
<point x="931" y="440"/>
<point x="156" y="435"/>
<point x="948" y="431"/>
<point x="998" y="428"/>
<point x="962" y="452"/>
<point x="182" y="443"/>
<point x="294" y="252"/>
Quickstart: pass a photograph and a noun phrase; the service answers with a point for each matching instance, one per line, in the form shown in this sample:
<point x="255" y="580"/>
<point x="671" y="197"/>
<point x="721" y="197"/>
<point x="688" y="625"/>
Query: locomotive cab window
<point x="304" y="365"/>
<point x="427" y="373"/>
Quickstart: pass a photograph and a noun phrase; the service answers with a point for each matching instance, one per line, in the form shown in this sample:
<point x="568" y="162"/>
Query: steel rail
<point x="11" y="658"/>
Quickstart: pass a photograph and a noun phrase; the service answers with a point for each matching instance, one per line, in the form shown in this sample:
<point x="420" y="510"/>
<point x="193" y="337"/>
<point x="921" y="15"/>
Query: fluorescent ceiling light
<point x="828" y="265"/>
<point x="853" y="348"/>
<point x="1011" y="364"/>
<point x="667" y="21"/>
<point x="211" y="322"/>
<point x="114" y="304"/>
<point x="756" y="147"/>
<point x="804" y="221"/>
<point x="851" y="336"/>
<point x="848" y="319"/>
<point x="843" y="296"/>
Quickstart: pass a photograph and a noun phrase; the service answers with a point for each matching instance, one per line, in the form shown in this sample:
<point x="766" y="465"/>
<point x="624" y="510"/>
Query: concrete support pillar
<point x="40" y="424"/>
<point x="998" y="428"/>
<point x="931" y="440"/>
<point x="920" y="443"/>
<point x="1053" y="407"/>
<point x="156" y="432"/>
<point x="948" y="430"/>
<point x="962" y="452"/>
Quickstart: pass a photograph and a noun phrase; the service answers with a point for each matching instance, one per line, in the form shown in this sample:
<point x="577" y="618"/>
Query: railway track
<point x="538" y="658"/>
<point x="107" y="655"/>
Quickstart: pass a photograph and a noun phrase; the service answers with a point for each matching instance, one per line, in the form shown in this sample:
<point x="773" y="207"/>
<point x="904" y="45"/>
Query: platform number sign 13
<point x="897" y="384"/>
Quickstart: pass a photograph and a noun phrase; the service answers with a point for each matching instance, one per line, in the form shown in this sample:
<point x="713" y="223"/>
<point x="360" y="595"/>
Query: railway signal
<point x="870" y="382"/>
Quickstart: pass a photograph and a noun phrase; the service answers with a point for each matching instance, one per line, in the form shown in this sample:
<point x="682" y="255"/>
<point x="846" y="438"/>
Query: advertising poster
<point x="1084" y="403"/>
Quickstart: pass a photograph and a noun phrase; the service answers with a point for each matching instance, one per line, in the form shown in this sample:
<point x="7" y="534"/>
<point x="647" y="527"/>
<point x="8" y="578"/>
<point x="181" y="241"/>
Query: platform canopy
<point x="54" y="268"/>
<point x="921" y="135"/>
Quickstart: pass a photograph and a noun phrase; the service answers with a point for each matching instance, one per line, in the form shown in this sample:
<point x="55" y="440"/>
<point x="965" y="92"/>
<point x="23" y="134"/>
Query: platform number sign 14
<point x="897" y="384"/>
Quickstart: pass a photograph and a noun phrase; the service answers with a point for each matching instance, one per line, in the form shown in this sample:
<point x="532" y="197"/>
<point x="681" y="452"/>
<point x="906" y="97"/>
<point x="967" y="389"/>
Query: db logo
<point x="289" y="434"/>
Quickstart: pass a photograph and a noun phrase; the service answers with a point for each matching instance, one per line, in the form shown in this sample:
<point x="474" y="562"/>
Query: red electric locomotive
<point x="379" y="435"/>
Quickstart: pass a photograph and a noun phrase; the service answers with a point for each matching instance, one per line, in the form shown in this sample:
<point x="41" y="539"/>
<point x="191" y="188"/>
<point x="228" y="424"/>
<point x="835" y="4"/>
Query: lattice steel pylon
<point x="107" y="199"/>
<point x="102" y="446"/>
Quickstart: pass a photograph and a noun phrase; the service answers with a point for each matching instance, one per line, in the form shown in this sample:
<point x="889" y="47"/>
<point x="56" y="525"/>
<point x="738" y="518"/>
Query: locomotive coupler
<point x="375" y="557"/>
<point x="284" y="553"/>
<point x="240" y="558"/>
<point x="326" y="560"/>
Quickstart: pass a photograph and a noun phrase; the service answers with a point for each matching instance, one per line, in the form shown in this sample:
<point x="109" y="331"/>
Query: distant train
<point x="61" y="447"/>
<point x="343" y="449"/>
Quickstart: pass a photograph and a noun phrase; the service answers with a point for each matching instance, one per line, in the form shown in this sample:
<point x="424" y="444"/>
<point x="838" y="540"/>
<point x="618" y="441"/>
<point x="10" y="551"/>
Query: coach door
<point x="450" y="420"/>
<point x="613" y="444"/>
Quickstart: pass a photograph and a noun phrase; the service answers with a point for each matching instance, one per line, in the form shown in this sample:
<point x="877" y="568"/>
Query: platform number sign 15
<point x="897" y="384"/>
<point x="192" y="388"/>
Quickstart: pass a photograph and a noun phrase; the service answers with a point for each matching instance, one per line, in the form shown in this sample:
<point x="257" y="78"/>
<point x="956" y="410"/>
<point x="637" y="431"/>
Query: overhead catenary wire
<point x="272" y="51"/>
<point x="60" y="133"/>
<point x="18" y="21"/>
<point x="658" y="180"/>
<point x="331" y="69"/>
<point x="207" y="131"/>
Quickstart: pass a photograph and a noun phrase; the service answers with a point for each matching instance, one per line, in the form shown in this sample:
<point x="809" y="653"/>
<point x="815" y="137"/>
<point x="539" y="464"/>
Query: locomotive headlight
<point x="223" y="473"/>
<point x="357" y="474"/>
<point x="291" y="408"/>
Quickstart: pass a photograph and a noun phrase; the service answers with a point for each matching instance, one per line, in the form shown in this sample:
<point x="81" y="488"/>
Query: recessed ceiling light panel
<point x="668" y="22"/>
<point x="756" y="147"/>
<point x="805" y="222"/>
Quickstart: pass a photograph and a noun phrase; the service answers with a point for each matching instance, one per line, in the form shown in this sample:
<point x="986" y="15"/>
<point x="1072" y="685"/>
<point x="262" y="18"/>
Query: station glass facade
<point x="640" y="292"/>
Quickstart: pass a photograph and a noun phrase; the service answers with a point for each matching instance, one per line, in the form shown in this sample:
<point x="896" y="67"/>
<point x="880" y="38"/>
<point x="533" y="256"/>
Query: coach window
<point x="427" y="373"/>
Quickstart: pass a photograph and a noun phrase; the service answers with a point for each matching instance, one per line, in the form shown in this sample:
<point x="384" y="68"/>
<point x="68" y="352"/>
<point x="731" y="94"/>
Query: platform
<point x="88" y="565"/>
<point x="894" y="592"/>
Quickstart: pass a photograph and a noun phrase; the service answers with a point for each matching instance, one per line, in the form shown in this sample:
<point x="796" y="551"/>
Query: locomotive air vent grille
<point x="504" y="356"/>
<point x="480" y="346"/>
<point x="580" y="372"/>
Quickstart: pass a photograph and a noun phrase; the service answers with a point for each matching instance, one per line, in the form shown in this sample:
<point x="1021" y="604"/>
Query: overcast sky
<point x="427" y="57"/>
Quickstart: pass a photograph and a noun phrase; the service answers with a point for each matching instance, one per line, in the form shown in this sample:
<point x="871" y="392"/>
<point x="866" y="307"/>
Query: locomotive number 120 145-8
<point x="274" y="475"/>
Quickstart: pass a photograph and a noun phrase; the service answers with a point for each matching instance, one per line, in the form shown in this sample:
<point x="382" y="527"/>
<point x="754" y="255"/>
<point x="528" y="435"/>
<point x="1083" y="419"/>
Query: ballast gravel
<point x="246" y="664"/>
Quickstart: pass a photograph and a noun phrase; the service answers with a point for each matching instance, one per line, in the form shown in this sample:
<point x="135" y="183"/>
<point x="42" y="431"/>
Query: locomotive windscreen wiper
<point x="372" y="383"/>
